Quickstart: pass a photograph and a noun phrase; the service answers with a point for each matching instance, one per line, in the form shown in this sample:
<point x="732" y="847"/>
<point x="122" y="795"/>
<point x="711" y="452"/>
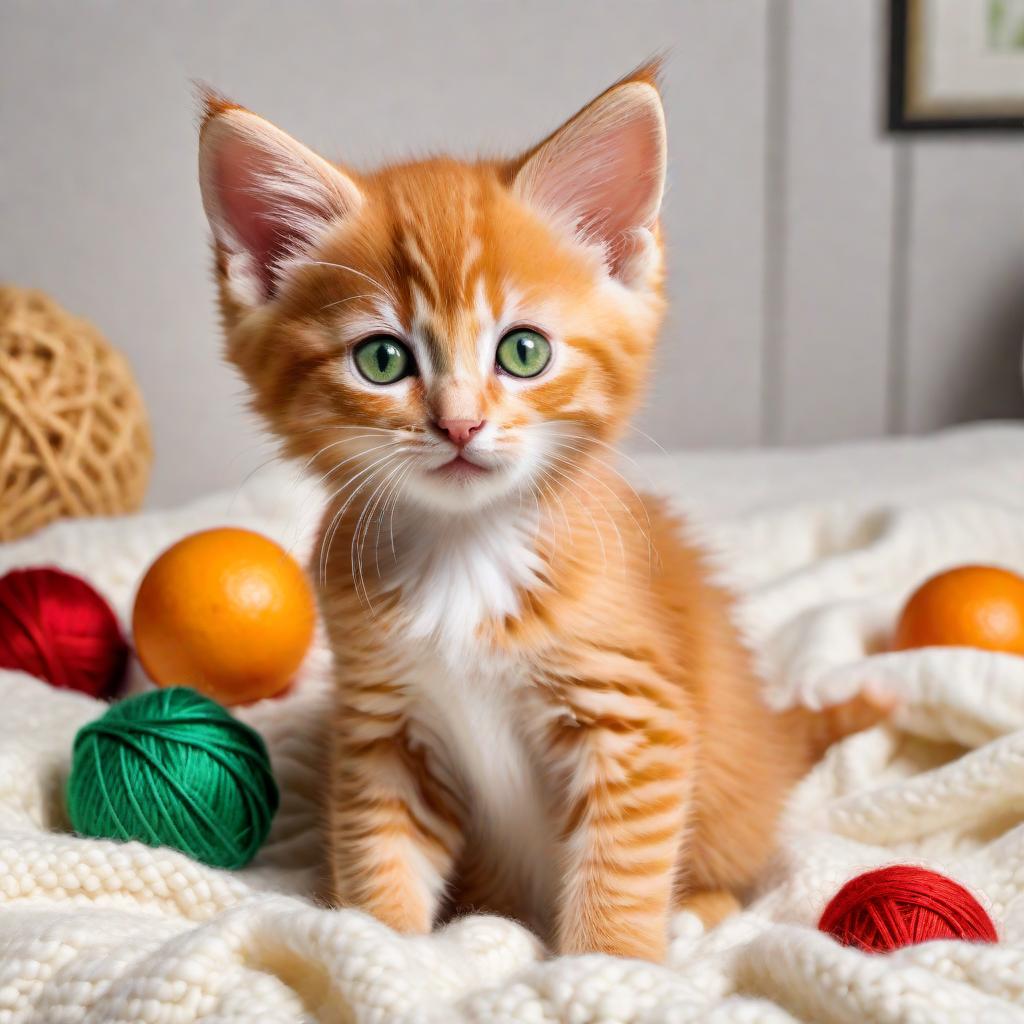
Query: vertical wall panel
<point x="776" y="165"/>
<point x="833" y="313"/>
<point x="896" y="415"/>
<point x="707" y="389"/>
<point x="965" y="281"/>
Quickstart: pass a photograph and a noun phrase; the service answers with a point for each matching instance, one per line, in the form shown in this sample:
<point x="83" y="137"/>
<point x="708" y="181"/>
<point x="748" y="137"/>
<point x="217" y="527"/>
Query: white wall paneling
<point x="965" y="281"/>
<point x="834" y="241"/>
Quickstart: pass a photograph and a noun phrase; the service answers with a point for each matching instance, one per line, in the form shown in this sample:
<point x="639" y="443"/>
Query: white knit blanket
<point x="824" y="545"/>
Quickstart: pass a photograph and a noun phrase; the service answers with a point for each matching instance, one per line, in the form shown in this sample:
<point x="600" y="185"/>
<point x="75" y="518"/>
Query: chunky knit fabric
<point x="824" y="545"/>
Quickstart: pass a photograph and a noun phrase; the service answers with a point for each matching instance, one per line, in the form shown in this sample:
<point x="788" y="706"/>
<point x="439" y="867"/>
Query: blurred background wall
<point x="828" y="280"/>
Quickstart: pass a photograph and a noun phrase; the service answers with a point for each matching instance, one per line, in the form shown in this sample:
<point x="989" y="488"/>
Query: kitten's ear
<point x="267" y="197"/>
<point x="603" y="171"/>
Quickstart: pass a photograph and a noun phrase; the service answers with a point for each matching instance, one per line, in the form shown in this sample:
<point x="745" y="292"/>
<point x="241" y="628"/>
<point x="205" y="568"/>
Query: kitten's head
<point x="471" y="328"/>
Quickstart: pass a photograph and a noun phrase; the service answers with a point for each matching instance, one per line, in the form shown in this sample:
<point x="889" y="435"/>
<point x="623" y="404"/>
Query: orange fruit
<point x="970" y="606"/>
<point x="225" y="611"/>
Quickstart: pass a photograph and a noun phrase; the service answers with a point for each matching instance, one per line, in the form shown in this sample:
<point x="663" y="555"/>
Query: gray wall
<point x="827" y="281"/>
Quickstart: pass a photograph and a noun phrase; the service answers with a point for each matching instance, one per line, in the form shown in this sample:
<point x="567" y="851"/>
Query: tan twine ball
<point x="74" y="434"/>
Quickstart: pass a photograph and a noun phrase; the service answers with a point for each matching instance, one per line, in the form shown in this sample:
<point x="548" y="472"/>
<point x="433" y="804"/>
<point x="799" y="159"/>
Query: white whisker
<point x="365" y="521"/>
<point x="328" y="539"/>
<point x="593" y="522"/>
<point x="341" y="266"/>
<point x="392" y="498"/>
<point x="348" y="298"/>
<point x="648" y="437"/>
<point x="344" y="440"/>
<point x="351" y="458"/>
<point x="540" y="514"/>
<point x="579" y="469"/>
<point x="550" y="489"/>
<point x="593" y="440"/>
<point x="394" y="505"/>
<point x="611" y="469"/>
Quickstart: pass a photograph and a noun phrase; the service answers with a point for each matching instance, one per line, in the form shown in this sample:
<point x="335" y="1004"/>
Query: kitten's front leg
<point x="628" y="773"/>
<point x="392" y="834"/>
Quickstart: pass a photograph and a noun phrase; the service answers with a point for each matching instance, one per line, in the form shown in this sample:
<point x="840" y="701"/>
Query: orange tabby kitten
<point x="543" y="707"/>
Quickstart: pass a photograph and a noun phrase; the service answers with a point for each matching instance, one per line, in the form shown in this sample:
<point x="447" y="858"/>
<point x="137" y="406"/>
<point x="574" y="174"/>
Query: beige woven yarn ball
<point x="74" y="435"/>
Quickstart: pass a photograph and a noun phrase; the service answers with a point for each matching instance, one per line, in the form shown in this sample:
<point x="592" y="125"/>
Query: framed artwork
<point x="956" y="65"/>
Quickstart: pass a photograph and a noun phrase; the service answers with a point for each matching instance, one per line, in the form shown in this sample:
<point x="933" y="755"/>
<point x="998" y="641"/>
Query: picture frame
<point x="956" y="65"/>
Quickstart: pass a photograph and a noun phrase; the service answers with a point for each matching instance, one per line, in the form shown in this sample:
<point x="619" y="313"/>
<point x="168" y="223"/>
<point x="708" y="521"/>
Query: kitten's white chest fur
<point x="480" y="727"/>
<point x="454" y="573"/>
<point x="476" y="711"/>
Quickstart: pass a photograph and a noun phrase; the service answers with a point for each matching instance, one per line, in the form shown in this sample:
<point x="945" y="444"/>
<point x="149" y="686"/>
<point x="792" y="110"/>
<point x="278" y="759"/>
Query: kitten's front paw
<point x="409" y="917"/>
<point x="403" y="920"/>
<point x="640" y="945"/>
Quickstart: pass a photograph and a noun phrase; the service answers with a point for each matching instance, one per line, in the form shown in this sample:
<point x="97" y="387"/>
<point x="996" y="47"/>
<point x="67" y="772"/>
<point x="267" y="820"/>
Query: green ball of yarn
<point x="173" y="768"/>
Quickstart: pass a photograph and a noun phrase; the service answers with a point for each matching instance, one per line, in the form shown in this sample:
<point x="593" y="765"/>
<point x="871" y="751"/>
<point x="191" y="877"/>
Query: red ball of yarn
<point x="902" y="905"/>
<point x="56" y="627"/>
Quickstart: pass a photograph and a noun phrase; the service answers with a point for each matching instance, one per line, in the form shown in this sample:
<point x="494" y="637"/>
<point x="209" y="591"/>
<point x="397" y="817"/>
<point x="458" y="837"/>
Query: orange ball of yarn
<point x="56" y="627"/>
<point x="903" y="905"/>
<point x="227" y="612"/>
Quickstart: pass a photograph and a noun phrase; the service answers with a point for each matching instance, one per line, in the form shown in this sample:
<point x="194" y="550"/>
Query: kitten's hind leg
<point x="625" y="827"/>
<point x="712" y="906"/>
<point x="835" y="722"/>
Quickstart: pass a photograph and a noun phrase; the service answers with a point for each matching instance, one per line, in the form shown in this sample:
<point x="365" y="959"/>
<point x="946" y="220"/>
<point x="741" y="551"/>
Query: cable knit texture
<point x="824" y="546"/>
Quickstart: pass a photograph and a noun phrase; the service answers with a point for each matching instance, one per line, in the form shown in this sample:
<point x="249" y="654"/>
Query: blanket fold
<point x="823" y="547"/>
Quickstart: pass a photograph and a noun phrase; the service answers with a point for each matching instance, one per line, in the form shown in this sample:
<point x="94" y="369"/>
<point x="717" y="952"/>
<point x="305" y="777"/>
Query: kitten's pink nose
<point x="459" y="431"/>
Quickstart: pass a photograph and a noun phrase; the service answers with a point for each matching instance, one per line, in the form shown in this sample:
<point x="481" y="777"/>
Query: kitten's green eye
<point x="523" y="353"/>
<point x="383" y="360"/>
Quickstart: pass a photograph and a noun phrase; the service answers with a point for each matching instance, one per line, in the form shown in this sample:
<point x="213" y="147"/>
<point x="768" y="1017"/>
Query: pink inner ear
<point x="604" y="170"/>
<point x="257" y="224"/>
<point x="269" y="206"/>
<point x="621" y="180"/>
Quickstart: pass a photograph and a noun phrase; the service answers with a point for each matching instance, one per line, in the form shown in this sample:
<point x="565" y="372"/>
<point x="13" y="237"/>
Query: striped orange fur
<point x="543" y="707"/>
